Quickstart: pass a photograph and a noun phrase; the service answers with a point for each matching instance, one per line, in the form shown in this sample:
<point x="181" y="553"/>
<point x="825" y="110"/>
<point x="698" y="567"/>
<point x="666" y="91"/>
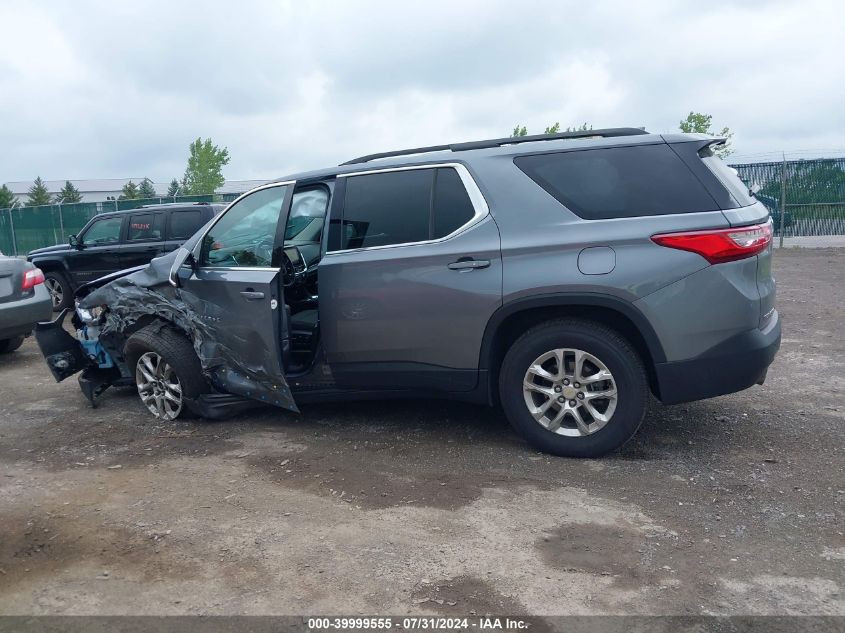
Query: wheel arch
<point x="141" y="323"/>
<point x="51" y="266"/>
<point x="513" y="318"/>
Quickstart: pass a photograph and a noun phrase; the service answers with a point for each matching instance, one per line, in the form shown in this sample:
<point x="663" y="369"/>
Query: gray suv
<point x="562" y="277"/>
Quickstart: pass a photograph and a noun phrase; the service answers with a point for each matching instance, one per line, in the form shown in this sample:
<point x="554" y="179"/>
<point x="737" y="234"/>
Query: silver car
<point x="562" y="277"/>
<point x="24" y="301"/>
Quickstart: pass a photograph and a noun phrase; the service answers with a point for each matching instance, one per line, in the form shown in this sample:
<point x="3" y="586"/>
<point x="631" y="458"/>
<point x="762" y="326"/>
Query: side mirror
<point x="182" y="268"/>
<point x="74" y="242"/>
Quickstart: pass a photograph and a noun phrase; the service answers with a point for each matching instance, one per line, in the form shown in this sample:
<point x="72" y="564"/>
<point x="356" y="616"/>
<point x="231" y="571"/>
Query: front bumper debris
<point x="63" y="353"/>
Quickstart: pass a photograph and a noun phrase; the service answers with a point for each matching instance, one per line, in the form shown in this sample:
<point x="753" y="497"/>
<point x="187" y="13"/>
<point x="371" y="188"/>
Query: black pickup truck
<point x="115" y="241"/>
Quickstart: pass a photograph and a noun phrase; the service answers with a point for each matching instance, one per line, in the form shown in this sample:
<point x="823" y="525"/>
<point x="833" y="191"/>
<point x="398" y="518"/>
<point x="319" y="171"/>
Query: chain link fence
<point x="23" y="229"/>
<point x="811" y="194"/>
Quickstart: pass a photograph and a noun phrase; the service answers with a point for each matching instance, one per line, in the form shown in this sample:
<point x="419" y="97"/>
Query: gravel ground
<point x="728" y="506"/>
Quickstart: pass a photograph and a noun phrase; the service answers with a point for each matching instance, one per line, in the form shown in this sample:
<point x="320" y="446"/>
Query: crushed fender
<point x="148" y="293"/>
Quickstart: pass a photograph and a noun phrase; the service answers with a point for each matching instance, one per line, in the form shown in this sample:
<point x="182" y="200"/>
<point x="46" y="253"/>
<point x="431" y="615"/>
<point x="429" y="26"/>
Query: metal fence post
<point x="782" y="198"/>
<point x="53" y="225"/>
<point x="14" y="237"/>
<point x="61" y="222"/>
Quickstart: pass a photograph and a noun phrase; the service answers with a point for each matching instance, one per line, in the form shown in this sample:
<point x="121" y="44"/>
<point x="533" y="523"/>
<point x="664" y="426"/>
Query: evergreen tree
<point x="146" y="190"/>
<point x="69" y="194"/>
<point x="129" y="191"/>
<point x="38" y="194"/>
<point x="173" y="189"/>
<point x="7" y="198"/>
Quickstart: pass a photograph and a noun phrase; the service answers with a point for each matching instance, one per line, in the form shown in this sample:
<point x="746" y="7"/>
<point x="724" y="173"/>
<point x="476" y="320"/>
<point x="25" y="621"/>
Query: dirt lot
<point x="728" y="506"/>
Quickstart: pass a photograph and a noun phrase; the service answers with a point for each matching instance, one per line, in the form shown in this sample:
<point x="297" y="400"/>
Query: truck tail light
<point x="720" y="245"/>
<point x="32" y="278"/>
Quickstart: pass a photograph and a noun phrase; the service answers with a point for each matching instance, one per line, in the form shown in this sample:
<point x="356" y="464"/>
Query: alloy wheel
<point x="158" y="386"/>
<point x="570" y="392"/>
<point x="57" y="294"/>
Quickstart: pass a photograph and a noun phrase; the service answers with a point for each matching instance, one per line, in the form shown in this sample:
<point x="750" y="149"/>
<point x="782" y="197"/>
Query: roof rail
<point x="172" y="204"/>
<point x="498" y="142"/>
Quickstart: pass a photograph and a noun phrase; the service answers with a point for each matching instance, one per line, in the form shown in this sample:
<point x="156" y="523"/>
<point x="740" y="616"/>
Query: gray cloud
<point x="105" y="89"/>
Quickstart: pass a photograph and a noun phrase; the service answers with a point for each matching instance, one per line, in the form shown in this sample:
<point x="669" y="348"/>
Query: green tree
<point x="204" y="173"/>
<point x="7" y="198"/>
<point x="146" y="190"/>
<point x="38" y="193"/>
<point x="129" y="191"/>
<point x="519" y="131"/>
<point x="173" y="189"/>
<point x="69" y="194"/>
<point x="700" y="123"/>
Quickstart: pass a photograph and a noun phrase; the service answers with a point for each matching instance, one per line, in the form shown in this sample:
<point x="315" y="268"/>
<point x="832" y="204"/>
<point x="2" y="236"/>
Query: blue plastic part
<point x="97" y="354"/>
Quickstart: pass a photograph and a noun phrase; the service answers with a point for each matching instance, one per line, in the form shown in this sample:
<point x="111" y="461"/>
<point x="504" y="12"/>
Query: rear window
<point x="619" y="182"/>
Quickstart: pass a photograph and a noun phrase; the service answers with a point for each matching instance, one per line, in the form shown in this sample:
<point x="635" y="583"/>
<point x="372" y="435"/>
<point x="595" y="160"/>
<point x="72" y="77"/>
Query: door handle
<point x="469" y="264"/>
<point x="252" y="295"/>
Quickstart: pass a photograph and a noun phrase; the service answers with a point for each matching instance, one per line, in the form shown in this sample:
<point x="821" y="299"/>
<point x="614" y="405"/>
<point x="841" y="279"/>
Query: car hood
<point x="49" y="249"/>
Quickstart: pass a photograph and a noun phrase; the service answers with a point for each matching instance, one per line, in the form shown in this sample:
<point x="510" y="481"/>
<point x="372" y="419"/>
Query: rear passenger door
<point x="411" y="275"/>
<point x="144" y="239"/>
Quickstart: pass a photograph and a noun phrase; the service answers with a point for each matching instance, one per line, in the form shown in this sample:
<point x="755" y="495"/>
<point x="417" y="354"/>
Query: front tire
<point x="573" y="388"/>
<point x="61" y="294"/>
<point x="167" y="371"/>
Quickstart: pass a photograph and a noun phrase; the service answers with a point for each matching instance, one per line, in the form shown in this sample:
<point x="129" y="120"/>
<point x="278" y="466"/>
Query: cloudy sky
<point x="119" y="89"/>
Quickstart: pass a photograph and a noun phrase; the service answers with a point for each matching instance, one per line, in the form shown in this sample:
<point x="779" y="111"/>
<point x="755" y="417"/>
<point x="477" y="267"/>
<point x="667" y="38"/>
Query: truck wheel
<point x="10" y="344"/>
<point x="573" y="388"/>
<point x="166" y="369"/>
<point x="59" y="288"/>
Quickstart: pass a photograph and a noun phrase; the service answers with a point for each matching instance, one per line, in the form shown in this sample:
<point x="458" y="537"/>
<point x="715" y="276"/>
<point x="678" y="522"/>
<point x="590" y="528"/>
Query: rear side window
<point x="145" y="227"/>
<point x="183" y="224"/>
<point x="619" y="182"/>
<point x="728" y="176"/>
<point x="400" y="207"/>
<point x="387" y="208"/>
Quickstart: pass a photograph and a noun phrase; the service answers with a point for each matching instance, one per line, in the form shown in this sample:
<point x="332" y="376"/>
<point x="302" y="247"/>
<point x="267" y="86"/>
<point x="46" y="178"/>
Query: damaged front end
<point x="109" y="310"/>
<point x="67" y="354"/>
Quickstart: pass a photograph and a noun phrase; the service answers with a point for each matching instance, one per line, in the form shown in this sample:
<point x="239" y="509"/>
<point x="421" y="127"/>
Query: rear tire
<point x="61" y="294"/>
<point x="10" y="344"/>
<point x="166" y="369"/>
<point x="566" y="417"/>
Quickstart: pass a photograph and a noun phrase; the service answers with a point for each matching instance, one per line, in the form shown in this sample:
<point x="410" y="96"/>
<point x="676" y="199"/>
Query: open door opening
<point x="302" y="252"/>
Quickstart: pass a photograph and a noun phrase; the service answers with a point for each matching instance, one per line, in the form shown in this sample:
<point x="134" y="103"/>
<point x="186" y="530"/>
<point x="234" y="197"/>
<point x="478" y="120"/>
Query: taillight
<point x="722" y="245"/>
<point x="32" y="278"/>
